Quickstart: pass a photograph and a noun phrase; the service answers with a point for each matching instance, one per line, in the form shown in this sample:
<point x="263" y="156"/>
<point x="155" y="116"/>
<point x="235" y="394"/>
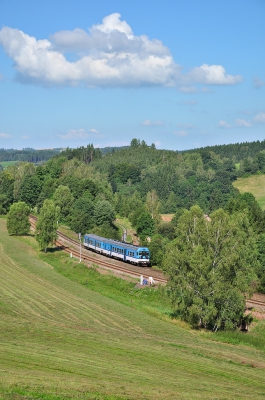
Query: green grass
<point x="6" y="164"/>
<point x="254" y="184"/>
<point x="67" y="332"/>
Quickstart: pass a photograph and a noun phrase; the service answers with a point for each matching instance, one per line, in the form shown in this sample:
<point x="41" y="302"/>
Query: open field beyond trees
<point x="254" y="184"/>
<point x="6" y="164"/>
<point x="97" y="337"/>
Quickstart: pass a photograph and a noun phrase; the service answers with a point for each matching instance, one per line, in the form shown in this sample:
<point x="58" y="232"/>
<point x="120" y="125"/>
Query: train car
<point x="113" y="248"/>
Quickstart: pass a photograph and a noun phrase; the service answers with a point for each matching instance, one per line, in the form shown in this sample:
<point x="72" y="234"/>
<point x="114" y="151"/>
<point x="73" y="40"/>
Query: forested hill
<point x="237" y="151"/>
<point x="28" y="155"/>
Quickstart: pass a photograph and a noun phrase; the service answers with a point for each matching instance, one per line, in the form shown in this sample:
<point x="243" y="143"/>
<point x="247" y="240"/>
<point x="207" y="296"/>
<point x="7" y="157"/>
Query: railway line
<point x="72" y="246"/>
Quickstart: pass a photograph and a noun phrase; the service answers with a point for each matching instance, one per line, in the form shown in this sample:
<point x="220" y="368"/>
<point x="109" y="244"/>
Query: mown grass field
<point x="254" y="184"/>
<point x="6" y="164"/>
<point x="67" y="332"/>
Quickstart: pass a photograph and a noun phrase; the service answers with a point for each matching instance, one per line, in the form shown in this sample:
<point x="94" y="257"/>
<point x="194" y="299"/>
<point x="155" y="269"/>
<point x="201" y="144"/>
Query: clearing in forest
<point x="254" y="184"/>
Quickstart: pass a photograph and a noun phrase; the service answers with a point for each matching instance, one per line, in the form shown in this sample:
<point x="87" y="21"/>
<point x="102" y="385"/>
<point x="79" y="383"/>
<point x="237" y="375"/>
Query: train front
<point x="143" y="255"/>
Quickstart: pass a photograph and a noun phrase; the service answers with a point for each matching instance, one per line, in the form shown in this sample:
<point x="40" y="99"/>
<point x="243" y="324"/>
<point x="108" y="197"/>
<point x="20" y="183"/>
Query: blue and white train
<point x="113" y="248"/>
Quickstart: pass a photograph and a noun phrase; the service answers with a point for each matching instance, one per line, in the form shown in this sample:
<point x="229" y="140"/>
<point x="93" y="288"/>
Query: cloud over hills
<point x="108" y="55"/>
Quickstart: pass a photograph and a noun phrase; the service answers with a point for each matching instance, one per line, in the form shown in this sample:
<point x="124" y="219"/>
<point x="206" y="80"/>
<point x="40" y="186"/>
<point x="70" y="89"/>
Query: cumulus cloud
<point x="260" y="117"/>
<point x="5" y="136"/>
<point x="108" y="54"/>
<point x="224" y="125"/>
<point x="147" y="122"/>
<point x="80" y="134"/>
<point x="243" y="123"/>
<point x="257" y="82"/>
<point x="213" y="75"/>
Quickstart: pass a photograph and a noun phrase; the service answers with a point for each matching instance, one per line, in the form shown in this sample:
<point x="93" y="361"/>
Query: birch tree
<point x="210" y="266"/>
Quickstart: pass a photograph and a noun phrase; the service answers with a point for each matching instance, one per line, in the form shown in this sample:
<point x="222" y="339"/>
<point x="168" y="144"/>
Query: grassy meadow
<point x="254" y="184"/>
<point x="6" y="164"/>
<point x="67" y="332"/>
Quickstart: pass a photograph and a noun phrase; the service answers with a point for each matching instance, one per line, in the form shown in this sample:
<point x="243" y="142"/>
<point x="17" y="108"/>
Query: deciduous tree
<point x="210" y="266"/>
<point x="18" y="219"/>
<point x="46" y="229"/>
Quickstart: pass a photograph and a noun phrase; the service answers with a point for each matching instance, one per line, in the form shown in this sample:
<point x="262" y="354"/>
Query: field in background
<point x="67" y="333"/>
<point x="167" y="217"/>
<point x="254" y="184"/>
<point x="6" y="164"/>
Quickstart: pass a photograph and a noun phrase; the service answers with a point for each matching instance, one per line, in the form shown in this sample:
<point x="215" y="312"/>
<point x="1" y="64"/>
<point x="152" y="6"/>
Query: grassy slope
<point x="60" y="338"/>
<point x="254" y="184"/>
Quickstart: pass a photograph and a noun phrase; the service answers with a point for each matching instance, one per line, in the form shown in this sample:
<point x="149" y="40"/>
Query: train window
<point x="144" y="254"/>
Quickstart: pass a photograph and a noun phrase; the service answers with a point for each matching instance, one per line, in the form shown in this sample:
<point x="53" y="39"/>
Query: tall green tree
<point x="18" y="219"/>
<point x="30" y="189"/>
<point x="64" y="199"/>
<point x="104" y="212"/>
<point x="46" y="228"/>
<point x="145" y="225"/>
<point x="210" y="266"/>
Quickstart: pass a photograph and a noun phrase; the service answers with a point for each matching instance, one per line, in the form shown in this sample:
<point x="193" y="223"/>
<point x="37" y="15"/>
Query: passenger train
<point x="113" y="248"/>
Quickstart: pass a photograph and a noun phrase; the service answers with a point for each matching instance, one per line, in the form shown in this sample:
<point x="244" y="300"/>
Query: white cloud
<point x="111" y="23"/>
<point x="223" y="124"/>
<point x="109" y="54"/>
<point x="147" y="122"/>
<point x="243" y="123"/>
<point x="181" y="133"/>
<point x="213" y="75"/>
<point x="257" y="82"/>
<point x="80" y="134"/>
<point x="260" y="117"/>
<point x="5" y="136"/>
<point x="25" y="137"/>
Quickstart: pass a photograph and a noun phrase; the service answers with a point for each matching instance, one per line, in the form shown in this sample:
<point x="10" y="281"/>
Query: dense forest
<point x="235" y="152"/>
<point x="139" y="182"/>
<point x="27" y="155"/>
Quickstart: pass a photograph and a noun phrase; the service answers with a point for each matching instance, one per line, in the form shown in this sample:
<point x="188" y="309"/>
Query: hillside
<point x="254" y="184"/>
<point x="60" y="339"/>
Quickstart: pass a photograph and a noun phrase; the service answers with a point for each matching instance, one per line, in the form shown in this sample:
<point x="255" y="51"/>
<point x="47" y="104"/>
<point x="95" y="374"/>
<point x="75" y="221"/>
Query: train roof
<point x="115" y="242"/>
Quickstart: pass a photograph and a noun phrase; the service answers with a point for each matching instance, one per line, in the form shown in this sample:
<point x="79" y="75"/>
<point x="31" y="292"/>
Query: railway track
<point x="64" y="243"/>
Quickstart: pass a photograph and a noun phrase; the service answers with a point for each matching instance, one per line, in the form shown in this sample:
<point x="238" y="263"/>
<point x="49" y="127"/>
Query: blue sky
<point x="180" y="74"/>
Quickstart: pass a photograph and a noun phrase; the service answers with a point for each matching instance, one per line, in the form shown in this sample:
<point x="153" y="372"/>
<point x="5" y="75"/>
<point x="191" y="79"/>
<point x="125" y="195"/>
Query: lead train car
<point x="114" y="248"/>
